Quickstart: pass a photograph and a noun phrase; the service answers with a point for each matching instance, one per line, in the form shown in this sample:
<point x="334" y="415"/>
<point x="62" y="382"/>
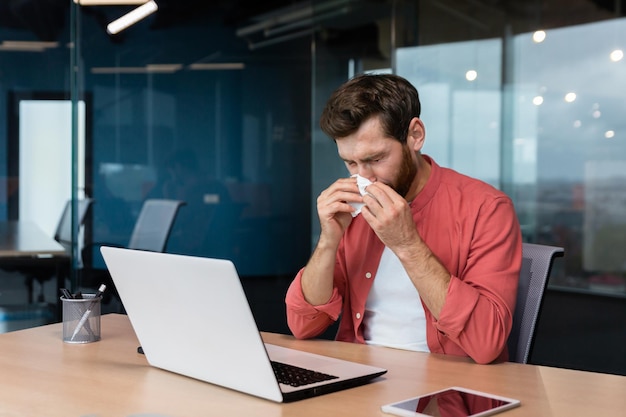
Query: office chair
<point x="63" y="235"/>
<point x="154" y="224"/>
<point x="150" y="233"/>
<point x="536" y="265"/>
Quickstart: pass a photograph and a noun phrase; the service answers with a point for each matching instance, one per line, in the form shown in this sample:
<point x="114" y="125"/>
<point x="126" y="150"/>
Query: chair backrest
<point x="153" y="225"/>
<point x="63" y="233"/>
<point x="536" y="265"/>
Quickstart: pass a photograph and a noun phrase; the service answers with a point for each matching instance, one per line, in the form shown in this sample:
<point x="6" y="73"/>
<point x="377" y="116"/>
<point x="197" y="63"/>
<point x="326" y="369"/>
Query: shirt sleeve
<point x="306" y="320"/>
<point x="477" y="314"/>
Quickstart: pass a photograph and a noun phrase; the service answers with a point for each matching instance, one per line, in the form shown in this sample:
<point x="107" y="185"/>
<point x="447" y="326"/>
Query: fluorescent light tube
<point x="132" y="17"/>
<point x="27" y="46"/>
<point x="164" y="68"/>
<point x="199" y="66"/>
<point x="150" y="68"/>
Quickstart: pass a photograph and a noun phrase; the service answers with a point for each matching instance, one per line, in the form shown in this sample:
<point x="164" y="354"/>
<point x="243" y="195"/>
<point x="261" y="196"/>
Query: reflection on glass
<point x="567" y="160"/>
<point x="462" y="118"/>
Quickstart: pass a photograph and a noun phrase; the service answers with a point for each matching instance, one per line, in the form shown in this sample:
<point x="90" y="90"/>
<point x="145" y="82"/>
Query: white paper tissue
<point x="362" y="182"/>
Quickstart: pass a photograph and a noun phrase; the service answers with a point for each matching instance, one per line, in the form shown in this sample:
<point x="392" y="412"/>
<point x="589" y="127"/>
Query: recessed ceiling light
<point x="570" y="97"/>
<point x="617" y="55"/>
<point x="539" y="36"/>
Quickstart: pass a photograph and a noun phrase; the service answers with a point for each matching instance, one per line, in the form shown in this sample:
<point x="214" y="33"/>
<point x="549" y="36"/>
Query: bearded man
<point x="410" y="255"/>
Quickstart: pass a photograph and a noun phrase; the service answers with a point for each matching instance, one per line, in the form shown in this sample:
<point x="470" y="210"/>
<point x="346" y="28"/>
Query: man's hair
<point x="388" y="96"/>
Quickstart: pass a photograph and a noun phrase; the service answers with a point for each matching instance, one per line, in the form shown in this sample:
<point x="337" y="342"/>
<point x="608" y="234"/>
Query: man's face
<point x="371" y="154"/>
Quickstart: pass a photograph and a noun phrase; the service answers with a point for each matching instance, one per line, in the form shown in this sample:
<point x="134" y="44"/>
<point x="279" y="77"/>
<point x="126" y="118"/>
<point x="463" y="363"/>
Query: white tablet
<point x="451" y="402"/>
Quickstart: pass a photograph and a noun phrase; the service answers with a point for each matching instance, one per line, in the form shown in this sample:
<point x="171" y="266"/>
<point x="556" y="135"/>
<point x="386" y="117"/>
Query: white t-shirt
<point x="394" y="315"/>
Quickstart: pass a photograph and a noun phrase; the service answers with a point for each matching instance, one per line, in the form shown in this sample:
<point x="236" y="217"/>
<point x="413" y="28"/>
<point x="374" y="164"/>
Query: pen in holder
<point x="81" y="317"/>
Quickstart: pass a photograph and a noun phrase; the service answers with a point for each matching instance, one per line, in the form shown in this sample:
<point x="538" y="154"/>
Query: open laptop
<point x="192" y="317"/>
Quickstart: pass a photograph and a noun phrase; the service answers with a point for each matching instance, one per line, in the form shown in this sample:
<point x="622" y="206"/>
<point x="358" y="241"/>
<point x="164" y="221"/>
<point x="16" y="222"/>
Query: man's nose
<point x="366" y="171"/>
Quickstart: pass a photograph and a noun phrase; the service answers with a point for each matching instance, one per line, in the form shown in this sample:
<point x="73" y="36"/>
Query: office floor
<point x="576" y="331"/>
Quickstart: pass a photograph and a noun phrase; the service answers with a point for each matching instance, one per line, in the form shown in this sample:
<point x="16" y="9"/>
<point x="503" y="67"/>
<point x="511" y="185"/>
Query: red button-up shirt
<point x="473" y="230"/>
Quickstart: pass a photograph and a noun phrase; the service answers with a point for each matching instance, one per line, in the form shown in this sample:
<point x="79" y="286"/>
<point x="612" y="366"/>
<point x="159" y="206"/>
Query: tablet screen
<point x="453" y="402"/>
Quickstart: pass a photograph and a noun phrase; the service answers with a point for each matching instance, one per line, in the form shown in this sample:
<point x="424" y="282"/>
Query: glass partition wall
<point x="189" y="105"/>
<point x="217" y="104"/>
<point x="36" y="164"/>
<point x="527" y="96"/>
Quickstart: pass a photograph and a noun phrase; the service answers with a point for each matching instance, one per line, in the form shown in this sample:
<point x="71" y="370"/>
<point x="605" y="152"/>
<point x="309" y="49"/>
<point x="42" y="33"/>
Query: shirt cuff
<point x="460" y="301"/>
<point x="298" y="304"/>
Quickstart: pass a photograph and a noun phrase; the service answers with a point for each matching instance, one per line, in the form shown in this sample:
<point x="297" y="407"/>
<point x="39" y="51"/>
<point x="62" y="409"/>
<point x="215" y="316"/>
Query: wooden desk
<point x="42" y="376"/>
<point x="24" y="244"/>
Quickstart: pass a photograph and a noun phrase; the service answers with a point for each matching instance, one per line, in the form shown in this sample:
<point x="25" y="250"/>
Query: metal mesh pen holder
<point x="81" y="319"/>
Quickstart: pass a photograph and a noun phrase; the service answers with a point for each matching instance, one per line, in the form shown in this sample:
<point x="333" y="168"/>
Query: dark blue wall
<point x="248" y="131"/>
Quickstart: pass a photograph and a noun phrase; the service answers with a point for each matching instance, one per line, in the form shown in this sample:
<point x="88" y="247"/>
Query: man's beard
<point x="406" y="174"/>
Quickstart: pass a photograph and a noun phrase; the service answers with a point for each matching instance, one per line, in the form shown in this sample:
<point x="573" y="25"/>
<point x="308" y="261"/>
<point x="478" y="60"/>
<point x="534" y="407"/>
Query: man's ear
<point x="417" y="134"/>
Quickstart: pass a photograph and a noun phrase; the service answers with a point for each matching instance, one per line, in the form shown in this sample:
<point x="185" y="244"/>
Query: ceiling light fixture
<point x="27" y="46"/>
<point x="302" y="19"/>
<point x="148" y="69"/>
<point x="164" y="68"/>
<point x="109" y="2"/>
<point x="617" y="55"/>
<point x="118" y="70"/>
<point x="471" y="75"/>
<point x="209" y="66"/>
<point x="539" y="36"/>
<point x="570" y="97"/>
<point x="132" y="17"/>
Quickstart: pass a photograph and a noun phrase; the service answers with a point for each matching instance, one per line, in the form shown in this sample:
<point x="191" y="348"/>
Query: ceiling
<point x="46" y="19"/>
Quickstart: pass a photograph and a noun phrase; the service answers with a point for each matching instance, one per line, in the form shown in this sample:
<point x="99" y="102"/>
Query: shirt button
<point x="358" y="316"/>
<point x="368" y="275"/>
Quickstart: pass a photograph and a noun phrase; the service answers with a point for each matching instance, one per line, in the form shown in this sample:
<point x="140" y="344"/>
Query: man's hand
<point x="389" y="215"/>
<point x="335" y="214"/>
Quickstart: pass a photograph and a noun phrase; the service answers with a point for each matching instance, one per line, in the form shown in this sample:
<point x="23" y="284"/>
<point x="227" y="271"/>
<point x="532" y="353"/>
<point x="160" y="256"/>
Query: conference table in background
<point x="23" y="244"/>
<point x="43" y="376"/>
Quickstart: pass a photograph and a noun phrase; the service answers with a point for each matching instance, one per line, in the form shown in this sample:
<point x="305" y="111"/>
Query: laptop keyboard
<point x="296" y="376"/>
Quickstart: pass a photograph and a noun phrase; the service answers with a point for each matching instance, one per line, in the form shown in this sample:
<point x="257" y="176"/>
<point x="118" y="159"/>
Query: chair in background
<point x="536" y="266"/>
<point x="150" y="233"/>
<point x="63" y="235"/>
<point x="154" y="224"/>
